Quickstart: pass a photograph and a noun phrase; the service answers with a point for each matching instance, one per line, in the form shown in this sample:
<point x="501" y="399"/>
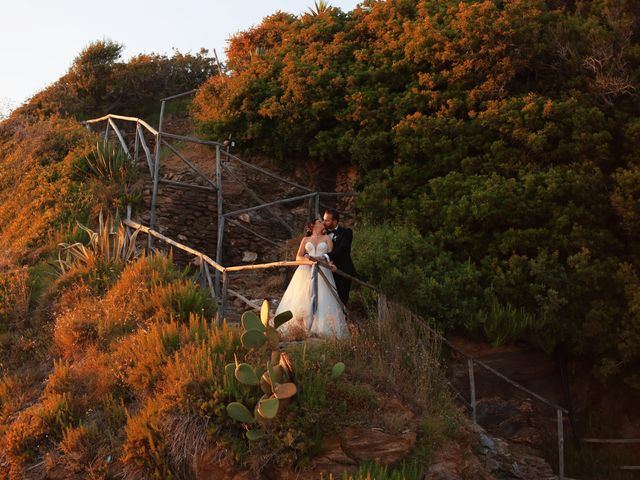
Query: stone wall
<point x="189" y="215"/>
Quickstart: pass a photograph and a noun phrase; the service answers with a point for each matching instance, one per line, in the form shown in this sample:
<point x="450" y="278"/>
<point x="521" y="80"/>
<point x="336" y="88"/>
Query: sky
<point x="40" y="38"/>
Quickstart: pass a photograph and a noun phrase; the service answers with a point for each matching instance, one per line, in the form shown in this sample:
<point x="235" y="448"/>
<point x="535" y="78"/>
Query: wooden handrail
<point x="170" y="241"/>
<point x="263" y="266"/>
<point x="122" y="117"/>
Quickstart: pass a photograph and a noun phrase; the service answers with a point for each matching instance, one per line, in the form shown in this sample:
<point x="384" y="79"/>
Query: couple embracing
<point x="316" y="296"/>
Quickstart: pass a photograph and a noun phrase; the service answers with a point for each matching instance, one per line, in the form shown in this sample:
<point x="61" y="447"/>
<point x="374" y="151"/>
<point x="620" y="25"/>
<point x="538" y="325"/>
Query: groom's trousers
<point x="343" y="285"/>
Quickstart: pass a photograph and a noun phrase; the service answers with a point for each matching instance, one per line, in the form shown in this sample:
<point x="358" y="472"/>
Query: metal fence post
<point x="223" y="297"/>
<point x="156" y="177"/>
<point x="560" y="445"/>
<point x="220" y="238"/>
<point x="472" y="389"/>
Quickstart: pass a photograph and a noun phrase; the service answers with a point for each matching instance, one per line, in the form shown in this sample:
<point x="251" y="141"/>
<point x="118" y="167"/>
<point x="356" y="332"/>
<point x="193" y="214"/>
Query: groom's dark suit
<point x="341" y="257"/>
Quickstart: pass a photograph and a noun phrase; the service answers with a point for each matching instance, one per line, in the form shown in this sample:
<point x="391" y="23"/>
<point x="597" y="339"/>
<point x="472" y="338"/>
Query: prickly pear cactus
<point x="276" y="382"/>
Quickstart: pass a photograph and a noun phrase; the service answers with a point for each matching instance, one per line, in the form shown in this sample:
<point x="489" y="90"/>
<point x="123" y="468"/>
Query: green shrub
<point x="108" y="163"/>
<point x="499" y="173"/>
<point x="373" y="471"/>
<point x="182" y="298"/>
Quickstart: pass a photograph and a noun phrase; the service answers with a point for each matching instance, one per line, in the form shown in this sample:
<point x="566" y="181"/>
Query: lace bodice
<point x="316" y="250"/>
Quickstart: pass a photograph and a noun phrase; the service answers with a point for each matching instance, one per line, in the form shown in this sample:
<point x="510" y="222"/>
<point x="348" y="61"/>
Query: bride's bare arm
<point x="329" y="243"/>
<point x="329" y="250"/>
<point x="301" y="251"/>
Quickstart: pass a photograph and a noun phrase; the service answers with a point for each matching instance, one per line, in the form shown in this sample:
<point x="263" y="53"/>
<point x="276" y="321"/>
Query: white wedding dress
<point x="321" y="317"/>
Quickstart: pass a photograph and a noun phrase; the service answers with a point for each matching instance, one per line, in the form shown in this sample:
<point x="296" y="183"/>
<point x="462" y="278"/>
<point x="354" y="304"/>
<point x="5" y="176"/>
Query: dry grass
<point x="14" y="294"/>
<point x="140" y="377"/>
<point x="188" y="437"/>
<point x="396" y="349"/>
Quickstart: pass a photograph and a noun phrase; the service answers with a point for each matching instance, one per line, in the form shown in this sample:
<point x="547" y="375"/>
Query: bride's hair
<point x="309" y="227"/>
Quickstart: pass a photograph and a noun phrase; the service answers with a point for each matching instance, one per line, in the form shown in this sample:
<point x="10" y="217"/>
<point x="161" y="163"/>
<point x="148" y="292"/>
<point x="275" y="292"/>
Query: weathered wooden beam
<point x="207" y="272"/>
<point x="120" y="137"/>
<point x="181" y="246"/>
<point x="333" y="290"/>
<point x="146" y="149"/>
<point x="560" y="445"/>
<point x="215" y="54"/>
<point x="472" y="390"/>
<point x="122" y="117"/>
<point x="251" y="304"/>
<point x="223" y="297"/>
<point x="263" y="266"/>
<point x="136" y="146"/>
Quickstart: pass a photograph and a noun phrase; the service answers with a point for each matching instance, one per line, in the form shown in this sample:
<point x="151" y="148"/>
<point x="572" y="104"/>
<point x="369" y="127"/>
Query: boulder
<point x="249" y="257"/>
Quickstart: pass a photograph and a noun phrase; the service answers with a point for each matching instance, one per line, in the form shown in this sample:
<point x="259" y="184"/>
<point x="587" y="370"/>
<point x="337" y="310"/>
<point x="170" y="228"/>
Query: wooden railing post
<point x="128" y="218"/>
<point x="156" y="177"/>
<point x="116" y="130"/>
<point x="212" y="289"/>
<point x="560" y="445"/>
<point x="472" y="389"/>
<point x="223" y="297"/>
<point x="106" y="132"/>
<point x="136" y="145"/>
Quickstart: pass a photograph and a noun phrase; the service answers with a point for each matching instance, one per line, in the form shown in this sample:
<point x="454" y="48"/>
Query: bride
<point x="322" y="316"/>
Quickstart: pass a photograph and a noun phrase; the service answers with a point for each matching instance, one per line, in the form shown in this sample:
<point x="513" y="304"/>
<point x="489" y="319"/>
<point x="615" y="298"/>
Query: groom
<point x="341" y="253"/>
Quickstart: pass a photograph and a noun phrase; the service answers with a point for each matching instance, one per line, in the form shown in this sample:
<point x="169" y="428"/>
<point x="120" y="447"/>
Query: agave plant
<point x="110" y="242"/>
<point x="320" y="7"/>
<point x="107" y="162"/>
<point x="277" y="382"/>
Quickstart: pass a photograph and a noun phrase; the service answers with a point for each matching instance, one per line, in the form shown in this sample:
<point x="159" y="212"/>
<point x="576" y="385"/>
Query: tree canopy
<point x="497" y="143"/>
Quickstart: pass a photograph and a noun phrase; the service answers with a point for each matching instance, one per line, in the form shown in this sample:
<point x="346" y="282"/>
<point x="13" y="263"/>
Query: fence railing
<point x="217" y="281"/>
<point x="471" y="361"/>
<point x="224" y="165"/>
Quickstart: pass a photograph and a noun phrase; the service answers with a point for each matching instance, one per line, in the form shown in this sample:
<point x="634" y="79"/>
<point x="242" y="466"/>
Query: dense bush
<point x="496" y="142"/>
<point x="98" y="83"/>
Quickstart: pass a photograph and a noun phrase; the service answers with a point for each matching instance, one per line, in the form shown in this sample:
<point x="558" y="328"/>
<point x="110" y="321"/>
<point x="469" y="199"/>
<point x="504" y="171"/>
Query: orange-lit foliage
<point x="37" y="189"/>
